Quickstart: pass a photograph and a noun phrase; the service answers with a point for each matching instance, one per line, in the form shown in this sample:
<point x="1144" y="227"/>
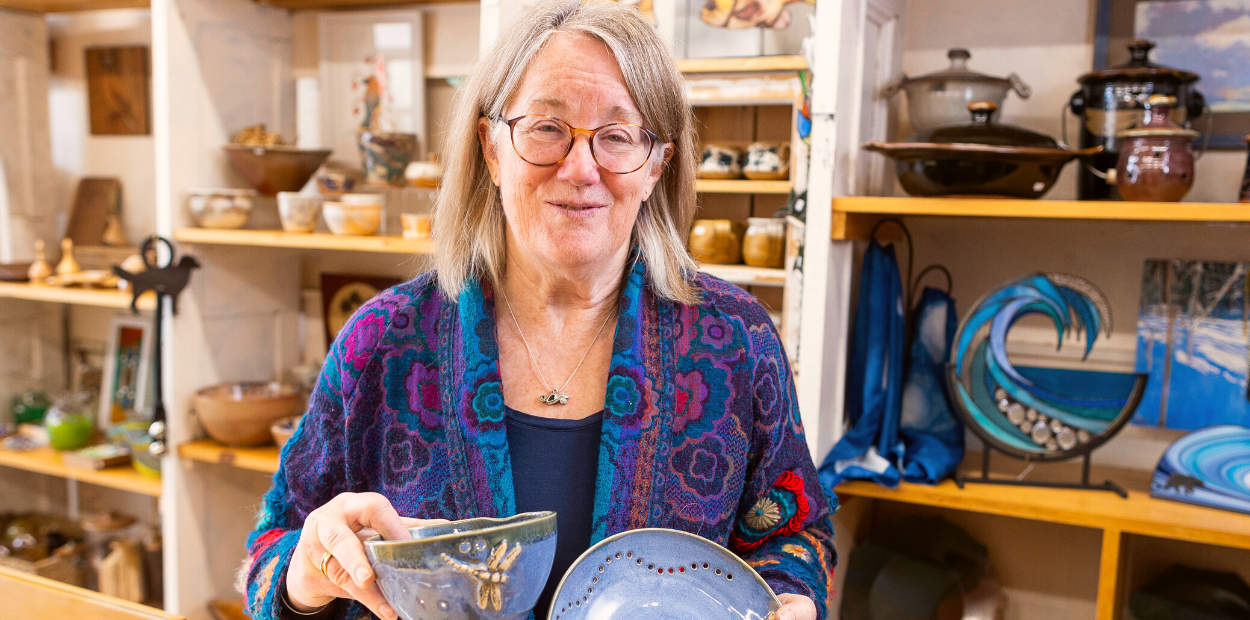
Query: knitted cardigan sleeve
<point x="312" y="468"/>
<point x="784" y="528"/>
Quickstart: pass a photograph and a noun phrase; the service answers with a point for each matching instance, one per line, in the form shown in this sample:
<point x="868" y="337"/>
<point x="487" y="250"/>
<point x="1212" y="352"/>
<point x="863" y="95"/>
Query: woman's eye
<point x="618" y="136"/>
<point x="548" y="127"/>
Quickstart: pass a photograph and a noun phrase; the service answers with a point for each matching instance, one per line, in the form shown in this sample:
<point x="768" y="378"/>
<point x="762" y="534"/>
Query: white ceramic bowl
<point x="361" y="199"/>
<point x="299" y="211"/>
<point x="350" y="219"/>
<point x="220" y="208"/>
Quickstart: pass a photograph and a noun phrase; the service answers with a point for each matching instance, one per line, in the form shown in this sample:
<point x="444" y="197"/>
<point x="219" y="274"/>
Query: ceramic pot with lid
<point x="1112" y="101"/>
<point x="940" y="99"/>
<point x="978" y="158"/>
<point x="1156" y="160"/>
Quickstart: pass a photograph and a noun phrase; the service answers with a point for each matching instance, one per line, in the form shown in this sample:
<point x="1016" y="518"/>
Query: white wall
<point x="76" y="153"/>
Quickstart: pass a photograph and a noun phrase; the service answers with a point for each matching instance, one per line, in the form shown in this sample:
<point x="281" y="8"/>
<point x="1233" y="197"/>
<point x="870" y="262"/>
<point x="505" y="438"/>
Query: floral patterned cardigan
<point x="701" y="432"/>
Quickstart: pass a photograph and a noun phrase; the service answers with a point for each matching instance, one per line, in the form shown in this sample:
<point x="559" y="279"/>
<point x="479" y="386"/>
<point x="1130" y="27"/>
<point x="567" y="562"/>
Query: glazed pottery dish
<point x="657" y="573"/>
<point x="299" y="211"/>
<point x="720" y="162"/>
<point x="273" y="169"/>
<point x="483" y="569"/>
<point x="386" y="155"/>
<point x="344" y="218"/>
<point x="241" y="413"/>
<point x="940" y="99"/>
<point x="718" y="242"/>
<point x="283" y="429"/>
<point x="416" y="226"/>
<point x="978" y="158"/>
<point x="1156" y="160"/>
<point x="333" y="181"/>
<point x="220" y="208"/>
<point x="767" y="162"/>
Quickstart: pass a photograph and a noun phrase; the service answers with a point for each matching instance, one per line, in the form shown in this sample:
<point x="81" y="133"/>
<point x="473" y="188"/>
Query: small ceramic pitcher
<point x="720" y="162"/>
<point x="767" y="162"/>
<point x="1157" y="159"/>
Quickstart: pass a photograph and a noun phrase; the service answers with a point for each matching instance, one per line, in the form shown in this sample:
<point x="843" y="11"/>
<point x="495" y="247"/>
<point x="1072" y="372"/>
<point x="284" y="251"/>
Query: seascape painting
<point x="1193" y="339"/>
<point x="1210" y="37"/>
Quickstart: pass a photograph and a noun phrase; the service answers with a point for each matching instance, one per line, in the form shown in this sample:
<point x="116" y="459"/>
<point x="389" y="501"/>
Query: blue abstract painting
<point x="1193" y="340"/>
<point x="1208" y="467"/>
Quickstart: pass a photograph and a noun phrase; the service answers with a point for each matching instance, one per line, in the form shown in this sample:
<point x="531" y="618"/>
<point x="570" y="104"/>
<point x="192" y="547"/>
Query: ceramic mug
<point x="720" y="162"/>
<point x="298" y="211"/>
<point x="767" y="162"/>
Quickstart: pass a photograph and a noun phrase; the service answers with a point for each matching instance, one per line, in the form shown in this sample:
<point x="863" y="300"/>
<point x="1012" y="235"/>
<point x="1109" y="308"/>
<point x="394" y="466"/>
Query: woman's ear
<point x="653" y="175"/>
<point x="488" y="148"/>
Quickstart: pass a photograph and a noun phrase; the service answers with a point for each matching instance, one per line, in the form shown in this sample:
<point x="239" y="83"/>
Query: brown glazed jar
<point x="1156" y="161"/>
<point x="765" y="242"/>
<point x="718" y="242"/>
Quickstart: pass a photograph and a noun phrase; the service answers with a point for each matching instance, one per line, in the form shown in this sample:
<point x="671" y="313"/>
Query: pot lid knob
<point x="982" y="111"/>
<point x="1161" y="100"/>
<point x="1140" y="49"/>
<point x="958" y="57"/>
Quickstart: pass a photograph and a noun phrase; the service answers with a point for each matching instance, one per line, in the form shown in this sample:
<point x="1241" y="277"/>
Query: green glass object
<point x="69" y="424"/>
<point x="29" y="407"/>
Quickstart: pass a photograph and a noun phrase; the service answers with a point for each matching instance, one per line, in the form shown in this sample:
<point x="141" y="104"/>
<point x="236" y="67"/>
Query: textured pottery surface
<point x="482" y="568"/>
<point x="220" y="208"/>
<point x="298" y="211"/>
<point x="658" y="573"/>
<point x="386" y="156"/>
<point x="276" y="168"/>
<point x="350" y="219"/>
<point x="716" y="241"/>
<point x="764" y="244"/>
<point x="767" y="162"/>
<point x="720" y="162"/>
<point x="1156" y="160"/>
<point x="242" y="413"/>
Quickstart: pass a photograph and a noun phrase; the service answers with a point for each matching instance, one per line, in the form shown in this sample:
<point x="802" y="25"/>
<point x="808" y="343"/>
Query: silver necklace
<point x="553" y="396"/>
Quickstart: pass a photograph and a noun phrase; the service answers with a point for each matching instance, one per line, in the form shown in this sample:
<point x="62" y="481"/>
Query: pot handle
<point x="1019" y="86"/>
<point x="891" y="89"/>
<point x="1071" y="105"/>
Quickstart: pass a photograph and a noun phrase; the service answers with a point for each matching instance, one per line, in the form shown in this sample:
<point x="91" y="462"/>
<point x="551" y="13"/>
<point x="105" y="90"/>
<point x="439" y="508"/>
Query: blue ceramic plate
<point x="659" y="573"/>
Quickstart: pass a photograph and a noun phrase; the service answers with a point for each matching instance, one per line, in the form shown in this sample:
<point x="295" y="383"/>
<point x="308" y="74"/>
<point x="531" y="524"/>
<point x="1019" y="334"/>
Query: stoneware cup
<point x="485" y="569"/>
<point x="767" y="162"/>
<point x="720" y="162"/>
<point x="299" y="211"/>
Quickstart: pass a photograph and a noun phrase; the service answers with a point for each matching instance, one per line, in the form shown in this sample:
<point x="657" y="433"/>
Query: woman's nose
<point x="580" y="167"/>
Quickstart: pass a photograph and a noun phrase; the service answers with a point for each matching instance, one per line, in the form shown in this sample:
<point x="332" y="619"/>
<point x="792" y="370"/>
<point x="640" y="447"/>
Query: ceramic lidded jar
<point x="1156" y="161"/>
<point x="718" y="242"/>
<point x="764" y="244"/>
<point x="941" y="98"/>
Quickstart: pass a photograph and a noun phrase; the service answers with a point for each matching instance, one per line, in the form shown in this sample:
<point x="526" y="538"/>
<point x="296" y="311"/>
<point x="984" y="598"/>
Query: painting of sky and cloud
<point x="1208" y="37"/>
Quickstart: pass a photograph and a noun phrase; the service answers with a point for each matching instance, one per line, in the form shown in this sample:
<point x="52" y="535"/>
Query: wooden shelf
<point x="745" y="275"/>
<point x="77" y="296"/>
<point x="62" y="6"/>
<point x="743" y="89"/>
<point x="1139" y="514"/>
<point x="310" y="5"/>
<point x="749" y="64"/>
<point x="48" y="461"/>
<point x="263" y="459"/>
<point x="853" y="217"/>
<point x="741" y="186"/>
<point x="306" y="241"/>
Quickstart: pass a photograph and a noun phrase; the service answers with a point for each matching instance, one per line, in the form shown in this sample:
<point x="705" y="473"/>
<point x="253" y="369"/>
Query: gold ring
<point x="325" y="564"/>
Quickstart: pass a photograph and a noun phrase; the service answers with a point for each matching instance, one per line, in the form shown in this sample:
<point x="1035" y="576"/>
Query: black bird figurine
<point x="168" y="280"/>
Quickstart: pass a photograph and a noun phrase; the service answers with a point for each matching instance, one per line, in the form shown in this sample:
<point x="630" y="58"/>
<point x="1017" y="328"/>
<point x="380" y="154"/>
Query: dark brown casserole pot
<point x="980" y="158"/>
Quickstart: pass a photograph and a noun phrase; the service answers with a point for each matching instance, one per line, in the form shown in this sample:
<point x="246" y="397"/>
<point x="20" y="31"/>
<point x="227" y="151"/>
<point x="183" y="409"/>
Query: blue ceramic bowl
<point x="484" y="568"/>
<point x="659" y="573"/>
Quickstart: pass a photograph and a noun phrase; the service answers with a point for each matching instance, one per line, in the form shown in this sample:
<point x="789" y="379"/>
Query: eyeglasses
<point x="620" y="148"/>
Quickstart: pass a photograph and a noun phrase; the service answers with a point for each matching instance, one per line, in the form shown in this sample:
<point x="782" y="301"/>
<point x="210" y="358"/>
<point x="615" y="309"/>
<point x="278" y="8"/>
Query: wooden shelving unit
<point x="741" y="186"/>
<point x="303" y="241"/>
<point x="48" y="461"/>
<point x="62" y="6"/>
<point x="854" y="216"/>
<point x="263" y="459"/>
<point x="753" y="64"/>
<point x="77" y="296"/>
<point x="745" y="275"/>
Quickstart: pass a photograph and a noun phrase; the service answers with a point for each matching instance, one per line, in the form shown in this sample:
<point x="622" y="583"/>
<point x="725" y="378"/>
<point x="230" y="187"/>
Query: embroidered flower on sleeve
<point x="780" y="511"/>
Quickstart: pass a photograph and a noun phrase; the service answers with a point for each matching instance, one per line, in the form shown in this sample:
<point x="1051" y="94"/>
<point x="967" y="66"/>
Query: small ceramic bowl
<point x="476" y="568"/>
<point x="720" y="162"/>
<point x="220" y="208"/>
<point x="361" y="199"/>
<point x="241" y="413"/>
<point x="416" y="226"/>
<point x="283" y="429"/>
<point x="299" y="211"/>
<point x="334" y="182"/>
<point x="352" y="219"/>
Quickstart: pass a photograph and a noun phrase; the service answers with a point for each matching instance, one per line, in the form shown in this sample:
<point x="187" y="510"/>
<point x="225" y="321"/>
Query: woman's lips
<point x="576" y="206"/>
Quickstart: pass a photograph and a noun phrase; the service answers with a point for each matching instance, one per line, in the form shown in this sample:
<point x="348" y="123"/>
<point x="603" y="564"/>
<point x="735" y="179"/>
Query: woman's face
<point x="574" y="214"/>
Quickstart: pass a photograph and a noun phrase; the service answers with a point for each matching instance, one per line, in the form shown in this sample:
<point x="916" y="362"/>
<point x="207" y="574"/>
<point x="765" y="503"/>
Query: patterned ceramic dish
<point x="488" y="569"/>
<point x="659" y="573"/>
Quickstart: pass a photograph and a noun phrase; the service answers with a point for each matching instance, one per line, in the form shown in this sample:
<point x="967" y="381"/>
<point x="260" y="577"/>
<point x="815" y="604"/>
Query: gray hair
<point x="468" y="226"/>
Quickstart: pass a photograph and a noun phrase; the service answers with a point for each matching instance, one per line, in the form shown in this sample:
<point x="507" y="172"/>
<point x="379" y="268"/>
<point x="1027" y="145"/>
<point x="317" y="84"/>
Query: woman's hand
<point x="796" y="607"/>
<point x="338" y="528"/>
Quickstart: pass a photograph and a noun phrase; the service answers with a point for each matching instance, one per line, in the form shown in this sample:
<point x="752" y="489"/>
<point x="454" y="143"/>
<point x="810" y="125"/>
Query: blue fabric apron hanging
<point x="932" y="434"/>
<point x="870" y="449"/>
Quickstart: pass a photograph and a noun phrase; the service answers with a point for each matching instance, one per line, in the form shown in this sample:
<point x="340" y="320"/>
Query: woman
<point x="565" y="355"/>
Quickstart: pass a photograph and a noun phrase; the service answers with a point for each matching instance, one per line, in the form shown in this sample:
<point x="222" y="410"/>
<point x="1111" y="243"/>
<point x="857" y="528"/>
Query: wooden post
<point x="1109" y="573"/>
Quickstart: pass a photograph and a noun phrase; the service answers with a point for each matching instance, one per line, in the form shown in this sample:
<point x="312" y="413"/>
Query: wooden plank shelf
<point x="62" y="6"/>
<point x="1139" y="514"/>
<point x="263" y="459"/>
<point x="853" y="216"/>
<point x="741" y="186"/>
<point x="104" y="298"/>
<point x="48" y="461"/>
<point x="742" y="89"/>
<point x="304" y="241"/>
<point x="748" y="64"/>
<point x="746" y="275"/>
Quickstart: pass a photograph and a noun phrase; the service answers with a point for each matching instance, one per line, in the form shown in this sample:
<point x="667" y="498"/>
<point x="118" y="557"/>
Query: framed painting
<point x="343" y="294"/>
<point x="117" y="90"/>
<point x="1209" y="37"/>
<point x="127" y="367"/>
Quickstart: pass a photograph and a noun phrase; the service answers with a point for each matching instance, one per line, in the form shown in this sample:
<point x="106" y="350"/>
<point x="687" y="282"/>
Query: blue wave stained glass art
<point x="1208" y="467"/>
<point x="1041" y="414"/>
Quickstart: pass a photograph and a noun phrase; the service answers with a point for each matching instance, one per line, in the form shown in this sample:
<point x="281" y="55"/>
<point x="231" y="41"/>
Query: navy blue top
<point x="554" y="465"/>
